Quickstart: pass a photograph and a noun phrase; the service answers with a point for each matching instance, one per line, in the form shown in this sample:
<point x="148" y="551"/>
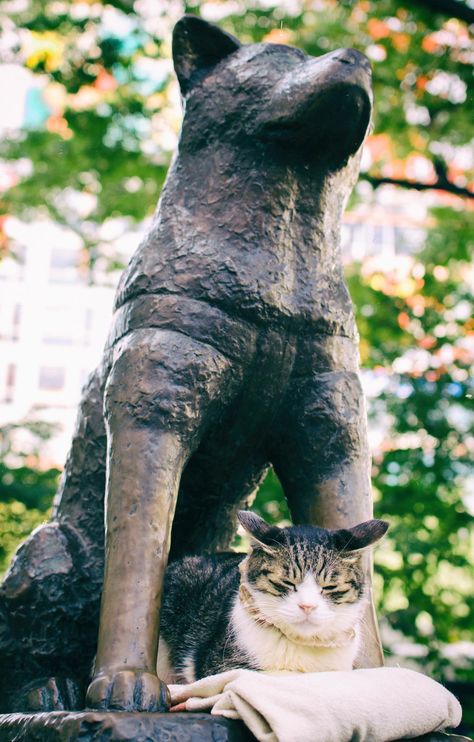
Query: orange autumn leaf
<point x="401" y="42"/>
<point x="278" y="36"/>
<point x="430" y="44"/>
<point x="3" y="235"/>
<point x="378" y="29"/>
<point x="58" y="125"/>
<point x="396" y="169"/>
<point x="416" y="301"/>
<point x="403" y="320"/>
<point x="105" y="82"/>
<point x="379" y="146"/>
<point x="428" y="342"/>
<point x="417" y="140"/>
<point x="402" y="14"/>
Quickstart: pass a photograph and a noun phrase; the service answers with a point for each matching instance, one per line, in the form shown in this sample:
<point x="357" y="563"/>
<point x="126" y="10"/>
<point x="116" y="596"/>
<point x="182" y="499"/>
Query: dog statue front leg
<point x="145" y="456"/>
<point x="158" y="396"/>
<point x="144" y="472"/>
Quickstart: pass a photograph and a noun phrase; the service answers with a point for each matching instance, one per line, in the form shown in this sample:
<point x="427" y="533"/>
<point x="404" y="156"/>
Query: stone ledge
<point x="98" y="726"/>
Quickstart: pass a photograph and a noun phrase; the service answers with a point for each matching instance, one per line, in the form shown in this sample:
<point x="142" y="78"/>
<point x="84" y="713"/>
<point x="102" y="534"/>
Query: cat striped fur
<point x="294" y="602"/>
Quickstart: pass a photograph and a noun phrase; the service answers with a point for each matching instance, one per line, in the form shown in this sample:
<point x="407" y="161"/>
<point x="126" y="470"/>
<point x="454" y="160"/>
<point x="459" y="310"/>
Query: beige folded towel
<point x="375" y="705"/>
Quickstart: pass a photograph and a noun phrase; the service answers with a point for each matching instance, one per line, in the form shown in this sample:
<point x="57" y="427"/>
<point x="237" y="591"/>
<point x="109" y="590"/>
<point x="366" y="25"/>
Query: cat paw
<point x="50" y="694"/>
<point x="128" y="690"/>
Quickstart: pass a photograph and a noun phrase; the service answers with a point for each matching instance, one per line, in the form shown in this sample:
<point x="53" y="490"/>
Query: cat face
<point x="307" y="581"/>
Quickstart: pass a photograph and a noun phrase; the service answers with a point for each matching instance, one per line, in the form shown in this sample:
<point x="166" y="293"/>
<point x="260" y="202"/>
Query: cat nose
<point x="306" y="607"/>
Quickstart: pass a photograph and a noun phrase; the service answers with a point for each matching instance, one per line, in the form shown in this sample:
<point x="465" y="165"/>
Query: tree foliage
<point x="415" y="328"/>
<point x="26" y="488"/>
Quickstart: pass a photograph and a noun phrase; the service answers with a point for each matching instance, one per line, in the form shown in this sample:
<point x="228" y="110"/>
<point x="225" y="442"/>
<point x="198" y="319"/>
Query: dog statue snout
<point x="353" y="57"/>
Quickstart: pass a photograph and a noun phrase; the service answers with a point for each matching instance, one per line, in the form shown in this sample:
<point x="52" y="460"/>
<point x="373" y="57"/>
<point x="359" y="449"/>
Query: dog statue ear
<point x="197" y="47"/>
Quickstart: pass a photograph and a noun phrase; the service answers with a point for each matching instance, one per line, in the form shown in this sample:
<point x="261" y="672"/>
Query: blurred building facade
<point x="52" y="329"/>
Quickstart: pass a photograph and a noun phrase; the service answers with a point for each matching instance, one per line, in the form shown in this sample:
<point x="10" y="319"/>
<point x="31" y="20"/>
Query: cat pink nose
<point x="306" y="607"/>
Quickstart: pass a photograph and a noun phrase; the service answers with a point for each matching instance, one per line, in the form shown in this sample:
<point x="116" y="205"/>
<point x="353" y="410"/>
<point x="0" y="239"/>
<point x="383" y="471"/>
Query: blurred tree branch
<point x="453" y="8"/>
<point x="441" y="184"/>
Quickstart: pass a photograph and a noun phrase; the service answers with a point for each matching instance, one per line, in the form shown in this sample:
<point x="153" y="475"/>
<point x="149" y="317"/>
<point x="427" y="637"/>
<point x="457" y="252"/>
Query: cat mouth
<point x="308" y="628"/>
<point x="305" y="622"/>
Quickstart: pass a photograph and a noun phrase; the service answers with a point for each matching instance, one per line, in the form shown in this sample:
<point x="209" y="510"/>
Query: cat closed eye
<point x="282" y="585"/>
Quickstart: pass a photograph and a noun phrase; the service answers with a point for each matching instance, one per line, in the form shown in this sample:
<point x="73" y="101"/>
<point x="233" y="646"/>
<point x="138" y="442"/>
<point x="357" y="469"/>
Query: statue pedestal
<point x="99" y="726"/>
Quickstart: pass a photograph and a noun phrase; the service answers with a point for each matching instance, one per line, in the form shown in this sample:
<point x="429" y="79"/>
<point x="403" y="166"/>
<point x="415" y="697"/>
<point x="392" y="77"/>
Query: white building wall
<point x="52" y="330"/>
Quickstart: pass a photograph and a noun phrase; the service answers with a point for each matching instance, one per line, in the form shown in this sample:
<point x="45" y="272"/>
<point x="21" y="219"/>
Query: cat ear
<point x="198" y="46"/>
<point x="264" y="535"/>
<point x="360" y="536"/>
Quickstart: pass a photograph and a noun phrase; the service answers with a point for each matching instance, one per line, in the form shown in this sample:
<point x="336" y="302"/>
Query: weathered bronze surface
<point x="233" y="347"/>
<point x="96" y="726"/>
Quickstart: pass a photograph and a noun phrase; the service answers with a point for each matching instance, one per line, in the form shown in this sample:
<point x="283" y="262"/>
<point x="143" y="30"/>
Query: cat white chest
<point x="270" y="650"/>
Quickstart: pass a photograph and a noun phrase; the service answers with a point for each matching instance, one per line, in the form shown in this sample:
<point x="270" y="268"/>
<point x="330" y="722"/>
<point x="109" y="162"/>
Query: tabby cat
<point x="294" y="602"/>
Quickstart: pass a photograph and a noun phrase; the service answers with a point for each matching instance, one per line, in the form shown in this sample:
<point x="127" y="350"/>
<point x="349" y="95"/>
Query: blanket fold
<point x="376" y="705"/>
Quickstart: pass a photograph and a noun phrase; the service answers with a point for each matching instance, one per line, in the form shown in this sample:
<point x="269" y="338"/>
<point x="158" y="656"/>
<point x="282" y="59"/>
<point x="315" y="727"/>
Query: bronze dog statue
<point x="233" y="347"/>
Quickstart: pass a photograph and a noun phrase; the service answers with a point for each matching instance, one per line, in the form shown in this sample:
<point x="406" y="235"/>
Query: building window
<point x="16" y="322"/>
<point x="88" y="326"/>
<point x="408" y="240"/>
<point x="10" y="383"/>
<point x="60" y="326"/>
<point x="52" y="378"/>
<point x="10" y="317"/>
<point x="64" y="266"/>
